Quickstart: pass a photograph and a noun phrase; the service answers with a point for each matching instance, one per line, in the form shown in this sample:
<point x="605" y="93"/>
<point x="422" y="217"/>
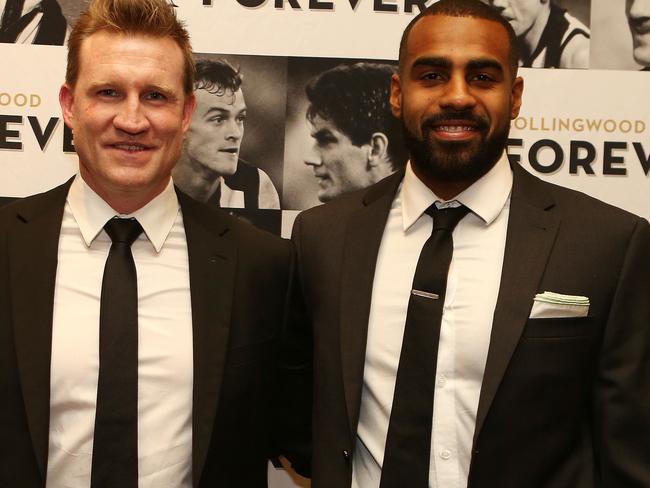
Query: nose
<point x="500" y="5"/>
<point x="312" y="156"/>
<point x="637" y="9"/>
<point x="131" y="117"/>
<point x="234" y="130"/>
<point x="457" y="95"/>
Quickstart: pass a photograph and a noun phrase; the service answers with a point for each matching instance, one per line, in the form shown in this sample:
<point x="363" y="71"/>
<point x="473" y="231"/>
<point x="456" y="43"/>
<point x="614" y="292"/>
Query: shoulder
<point x="576" y="53"/>
<point x="34" y="205"/>
<point x="577" y="209"/>
<point x="337" y="211"/>
<point x="268" y="195"/>
<point x="575" y="44"/>
<point x="248" y="238"/>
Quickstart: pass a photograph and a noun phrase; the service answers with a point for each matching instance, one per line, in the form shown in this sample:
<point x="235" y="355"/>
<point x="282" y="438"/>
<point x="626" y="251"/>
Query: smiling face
<point x="128" y="112"/>
<point x="217" y="129"/>
<point x="455" y="95"/>
<point x="638" y="16"/>
<point x="339" y="165"/>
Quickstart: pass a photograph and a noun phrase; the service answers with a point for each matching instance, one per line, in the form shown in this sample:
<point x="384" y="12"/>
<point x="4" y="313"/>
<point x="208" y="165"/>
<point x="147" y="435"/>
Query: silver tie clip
<point x="424" y="294"/>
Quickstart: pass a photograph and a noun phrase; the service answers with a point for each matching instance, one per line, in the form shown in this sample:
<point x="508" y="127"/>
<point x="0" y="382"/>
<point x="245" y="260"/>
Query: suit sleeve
<point x="622" y="393"/>
<point x="296" y="374"/>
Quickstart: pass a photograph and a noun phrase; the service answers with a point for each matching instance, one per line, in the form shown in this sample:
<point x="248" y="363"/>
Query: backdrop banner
<point x="584" y="123"/>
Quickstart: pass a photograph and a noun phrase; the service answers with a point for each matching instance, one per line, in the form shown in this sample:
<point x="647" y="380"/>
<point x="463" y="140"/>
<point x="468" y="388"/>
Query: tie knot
<point x="123" y="230"/>
<point x="446" y="218"/>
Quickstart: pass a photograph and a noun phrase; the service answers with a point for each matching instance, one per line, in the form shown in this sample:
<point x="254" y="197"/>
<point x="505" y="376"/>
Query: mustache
<point x="481" y="123"/>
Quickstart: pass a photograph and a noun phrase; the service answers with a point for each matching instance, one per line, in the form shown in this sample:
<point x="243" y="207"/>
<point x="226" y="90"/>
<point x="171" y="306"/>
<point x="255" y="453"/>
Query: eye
<point x="432" y="76"/>
<point x="482" y="77"/>
<point x="217" y="119"/>
<point x="107" y="92"/>
<point x="155" y="95"/>
<point x="324" y="140"/>
<point x="241" y="118"/>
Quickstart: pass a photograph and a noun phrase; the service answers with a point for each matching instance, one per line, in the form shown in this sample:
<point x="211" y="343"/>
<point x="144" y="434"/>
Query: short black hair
<point x="464" y="8"/>
<point x="356" y="98"/>
<point x="217" y="77"/>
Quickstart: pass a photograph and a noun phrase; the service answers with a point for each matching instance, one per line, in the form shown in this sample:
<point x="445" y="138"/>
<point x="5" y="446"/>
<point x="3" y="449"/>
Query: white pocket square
<point x="550" y="305"/>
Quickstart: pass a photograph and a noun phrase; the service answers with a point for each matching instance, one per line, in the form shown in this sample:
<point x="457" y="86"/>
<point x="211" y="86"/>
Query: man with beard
<point x="473" y="326"/>
<point x="638" y="16"/>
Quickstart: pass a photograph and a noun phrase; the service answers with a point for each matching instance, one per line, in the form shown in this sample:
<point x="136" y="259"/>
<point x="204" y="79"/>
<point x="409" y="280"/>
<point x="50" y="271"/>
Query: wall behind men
<point x="586" y="129"/>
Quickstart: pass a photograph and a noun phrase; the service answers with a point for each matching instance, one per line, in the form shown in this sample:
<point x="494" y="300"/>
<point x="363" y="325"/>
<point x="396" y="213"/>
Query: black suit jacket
<point x="238" y="278"/>
<point x="564" y="402"/>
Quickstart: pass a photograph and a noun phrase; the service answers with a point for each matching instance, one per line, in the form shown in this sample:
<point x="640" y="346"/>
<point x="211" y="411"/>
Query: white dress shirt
<point x="165" y="373"/>
<point x="470" y="299"/>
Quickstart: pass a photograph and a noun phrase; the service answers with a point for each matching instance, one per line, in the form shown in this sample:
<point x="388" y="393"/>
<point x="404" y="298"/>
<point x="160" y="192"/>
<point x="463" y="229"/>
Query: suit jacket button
<point x="346" y="455"/>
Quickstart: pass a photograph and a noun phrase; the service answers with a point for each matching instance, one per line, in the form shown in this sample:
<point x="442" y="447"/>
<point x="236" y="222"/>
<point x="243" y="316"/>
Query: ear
<point x="516" y="97"/>
<point x="396" y="95"/>
<point x="378" y="151"/>
<point x="66" y="100"/>
<point x="188" y="109"/>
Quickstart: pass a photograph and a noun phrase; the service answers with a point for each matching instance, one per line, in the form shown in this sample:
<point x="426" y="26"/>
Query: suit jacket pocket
<point x="558" y="328"/>
<point x="251" y="353"/>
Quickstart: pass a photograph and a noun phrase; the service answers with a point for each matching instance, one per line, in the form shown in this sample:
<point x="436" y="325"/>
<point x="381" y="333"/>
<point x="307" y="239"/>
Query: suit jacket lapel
<point x="362" y="239"/>
<point x="33" y="253"/>
<point x="532" y="228"/>
<point x="212" y="253"/>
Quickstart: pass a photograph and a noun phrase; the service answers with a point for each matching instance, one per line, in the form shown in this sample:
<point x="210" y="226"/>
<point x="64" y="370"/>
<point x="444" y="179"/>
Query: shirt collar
<point x="91" y="212"/>
<point x="486" y="197"/>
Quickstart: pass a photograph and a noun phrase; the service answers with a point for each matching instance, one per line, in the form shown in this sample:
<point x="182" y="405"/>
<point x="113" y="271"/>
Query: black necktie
<point x="115" y="443"/>
<point x="408" y="443"/>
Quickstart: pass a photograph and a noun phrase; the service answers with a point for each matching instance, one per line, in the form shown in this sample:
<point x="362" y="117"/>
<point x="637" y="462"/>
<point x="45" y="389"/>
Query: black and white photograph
<point x="621" y="34"/>
<point x="38" y="21"/>
<point x="638" y="18"/>
<point x="551" y="33"/>
<point x="340" y="132"/>
<point x="232" y="156"/>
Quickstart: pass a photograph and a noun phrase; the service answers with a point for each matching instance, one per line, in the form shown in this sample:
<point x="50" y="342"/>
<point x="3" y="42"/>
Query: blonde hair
<point x="150" y="17"/>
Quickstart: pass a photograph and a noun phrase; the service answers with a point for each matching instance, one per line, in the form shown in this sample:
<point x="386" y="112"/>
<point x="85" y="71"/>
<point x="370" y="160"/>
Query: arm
<point x="268" y="195"/>
<point x="295" y="383"/>
<point x="622" y="392"/>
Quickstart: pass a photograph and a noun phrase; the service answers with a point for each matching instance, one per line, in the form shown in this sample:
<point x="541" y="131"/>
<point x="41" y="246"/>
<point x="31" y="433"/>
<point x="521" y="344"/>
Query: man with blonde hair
<point x="138" y="327"/>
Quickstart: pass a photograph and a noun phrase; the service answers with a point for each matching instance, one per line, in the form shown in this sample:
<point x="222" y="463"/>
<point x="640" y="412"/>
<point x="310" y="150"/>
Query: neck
<point x="530" y="38"/>
<point x="446" y="190"/>
<point x="195" y="179"/>
<point x="125" y="201"/>
<point x="380" y="170"/>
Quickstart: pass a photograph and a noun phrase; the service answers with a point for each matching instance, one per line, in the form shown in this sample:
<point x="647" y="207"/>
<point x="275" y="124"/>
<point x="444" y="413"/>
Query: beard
<point x="455" y="161"/>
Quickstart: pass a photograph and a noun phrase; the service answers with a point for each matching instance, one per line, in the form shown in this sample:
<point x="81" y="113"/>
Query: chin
<point x="642" y="56"/>
<point x="224" y="168"/>
<point x="325" y="197"/>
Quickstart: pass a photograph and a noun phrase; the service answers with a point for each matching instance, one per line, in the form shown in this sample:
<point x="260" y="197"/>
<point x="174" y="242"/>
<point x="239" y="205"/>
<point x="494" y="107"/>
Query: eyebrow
<point x="322" y="133"/>
<point x="444" y="63"/>
<point x="484" y="63"/>
<point x="432" y="62"/>
<point x="220" y="110"/>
